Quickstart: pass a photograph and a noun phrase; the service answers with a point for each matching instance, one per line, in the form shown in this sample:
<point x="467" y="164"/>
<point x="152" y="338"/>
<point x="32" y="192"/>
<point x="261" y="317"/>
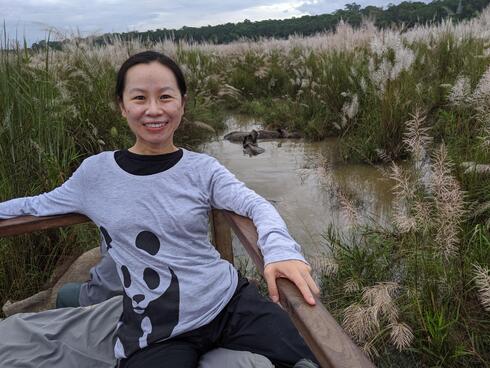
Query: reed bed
<point x="416" y="293"/>
<point x="416" y="102"/>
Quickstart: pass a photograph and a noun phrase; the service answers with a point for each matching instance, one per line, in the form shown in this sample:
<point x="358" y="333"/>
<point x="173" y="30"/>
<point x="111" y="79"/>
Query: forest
<point x="405" y="15"/>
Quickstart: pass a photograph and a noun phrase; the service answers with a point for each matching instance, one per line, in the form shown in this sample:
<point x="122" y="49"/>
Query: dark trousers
<point x="249" y="322"/>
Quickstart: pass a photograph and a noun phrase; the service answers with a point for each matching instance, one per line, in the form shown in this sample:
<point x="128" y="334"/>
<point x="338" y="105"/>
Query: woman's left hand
<point x="296" y="271"/>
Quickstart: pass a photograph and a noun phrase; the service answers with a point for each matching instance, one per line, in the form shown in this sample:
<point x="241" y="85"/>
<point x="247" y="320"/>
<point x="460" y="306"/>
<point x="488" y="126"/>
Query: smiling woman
<point x="151" y="204"/>
<point x="152" y="99"/>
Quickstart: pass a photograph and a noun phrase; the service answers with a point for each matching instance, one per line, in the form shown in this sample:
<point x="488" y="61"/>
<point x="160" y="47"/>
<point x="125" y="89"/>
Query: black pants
<point x="249" y="322"/>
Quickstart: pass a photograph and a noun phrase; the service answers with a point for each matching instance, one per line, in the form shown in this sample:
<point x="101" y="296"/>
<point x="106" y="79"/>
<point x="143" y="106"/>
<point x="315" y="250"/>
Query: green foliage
<point x="429" y="253"/>
<point x="449" y="327"/>
<point x="406" y="14"/>
<point x="56" y="107"/>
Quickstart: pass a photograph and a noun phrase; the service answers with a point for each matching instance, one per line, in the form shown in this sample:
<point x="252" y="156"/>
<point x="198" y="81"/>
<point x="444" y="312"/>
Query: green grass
<point x="56" y="108"/>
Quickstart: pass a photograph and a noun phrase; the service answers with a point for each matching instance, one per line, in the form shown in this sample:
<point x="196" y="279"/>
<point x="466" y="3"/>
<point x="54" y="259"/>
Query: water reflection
<point x="303" y="179"/>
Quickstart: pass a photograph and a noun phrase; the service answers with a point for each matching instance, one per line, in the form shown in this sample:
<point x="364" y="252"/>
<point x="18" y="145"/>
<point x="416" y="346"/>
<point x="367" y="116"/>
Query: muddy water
<point x="303" y="179"/>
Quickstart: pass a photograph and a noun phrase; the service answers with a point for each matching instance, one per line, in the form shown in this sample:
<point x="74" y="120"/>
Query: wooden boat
<point x="331" y="345"/>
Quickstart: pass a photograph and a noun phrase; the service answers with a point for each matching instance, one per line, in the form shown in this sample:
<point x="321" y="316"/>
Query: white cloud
<point x="314" y="7"/>
<point x="196" y="17"/>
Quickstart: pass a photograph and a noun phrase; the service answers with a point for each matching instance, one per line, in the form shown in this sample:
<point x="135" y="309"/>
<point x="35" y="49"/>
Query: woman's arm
<point x="282" y="255"/>
<point x="227" y="192"/>
<point x="67" y="198"/>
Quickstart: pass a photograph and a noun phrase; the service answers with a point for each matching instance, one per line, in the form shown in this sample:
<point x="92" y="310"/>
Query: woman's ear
<point x="184" y="100"/>
<point x="121" y="107"/>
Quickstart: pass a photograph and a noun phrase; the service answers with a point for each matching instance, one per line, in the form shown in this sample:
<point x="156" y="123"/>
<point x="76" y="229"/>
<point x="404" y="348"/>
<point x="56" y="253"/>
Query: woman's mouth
<point x="155" y="125"/>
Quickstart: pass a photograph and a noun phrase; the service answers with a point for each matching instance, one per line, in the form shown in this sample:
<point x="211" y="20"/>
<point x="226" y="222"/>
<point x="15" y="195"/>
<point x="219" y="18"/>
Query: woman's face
<point x="153" y="106"/>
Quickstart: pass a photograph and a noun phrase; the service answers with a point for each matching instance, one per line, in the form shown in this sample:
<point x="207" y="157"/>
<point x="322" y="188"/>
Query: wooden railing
<point x="328" y="341"/>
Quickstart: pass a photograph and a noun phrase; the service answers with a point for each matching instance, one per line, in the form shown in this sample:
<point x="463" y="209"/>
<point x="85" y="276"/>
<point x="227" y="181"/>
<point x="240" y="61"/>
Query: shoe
<point x="305" y="363"/>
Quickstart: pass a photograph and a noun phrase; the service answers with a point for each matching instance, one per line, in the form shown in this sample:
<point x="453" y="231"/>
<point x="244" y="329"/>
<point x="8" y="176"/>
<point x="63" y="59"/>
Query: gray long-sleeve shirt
<point x="156" y="230"/>
<point x="104" y="281"/>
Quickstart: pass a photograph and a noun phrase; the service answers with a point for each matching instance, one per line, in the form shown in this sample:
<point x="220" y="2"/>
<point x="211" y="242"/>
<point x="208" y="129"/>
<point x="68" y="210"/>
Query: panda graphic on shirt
<point x="148" y="315"/>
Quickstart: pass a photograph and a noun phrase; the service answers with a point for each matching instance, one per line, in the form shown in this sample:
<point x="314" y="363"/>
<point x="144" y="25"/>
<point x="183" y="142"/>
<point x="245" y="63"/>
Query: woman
<point x="151" y="204"/>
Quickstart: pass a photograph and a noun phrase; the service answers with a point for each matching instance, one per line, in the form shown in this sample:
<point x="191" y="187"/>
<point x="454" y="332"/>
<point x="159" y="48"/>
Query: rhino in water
<point x="250" y="146"/>
<point x="261" y="134"/>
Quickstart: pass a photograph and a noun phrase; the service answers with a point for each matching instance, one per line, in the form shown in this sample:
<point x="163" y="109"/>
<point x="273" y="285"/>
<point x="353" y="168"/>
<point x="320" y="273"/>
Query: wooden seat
<point x="331" y="345"/>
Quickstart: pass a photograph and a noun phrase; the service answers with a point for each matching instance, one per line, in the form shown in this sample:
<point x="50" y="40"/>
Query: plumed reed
<point x="377" y="311"/>
<point x="482" y="282"/>
<point x="449" y="203"/>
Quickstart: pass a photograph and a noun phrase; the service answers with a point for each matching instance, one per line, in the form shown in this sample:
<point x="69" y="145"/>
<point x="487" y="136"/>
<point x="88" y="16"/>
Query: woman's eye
<point x="165" y="97"/>
<point x="138" y="97"/>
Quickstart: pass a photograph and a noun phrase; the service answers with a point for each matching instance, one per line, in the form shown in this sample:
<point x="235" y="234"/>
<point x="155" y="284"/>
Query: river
<point x="302" y="179"/>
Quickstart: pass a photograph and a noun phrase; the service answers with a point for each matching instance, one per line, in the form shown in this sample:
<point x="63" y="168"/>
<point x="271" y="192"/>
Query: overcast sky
<point x="31" y="18"/>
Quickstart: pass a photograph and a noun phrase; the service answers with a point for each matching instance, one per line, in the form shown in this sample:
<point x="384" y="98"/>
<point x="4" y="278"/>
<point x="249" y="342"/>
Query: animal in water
<point x="278" y="133"/>
<point x="262" y="134"/>
<point x="272" y="134"/>
<point x="250" y="146"/>
<point x="236" y="136"/>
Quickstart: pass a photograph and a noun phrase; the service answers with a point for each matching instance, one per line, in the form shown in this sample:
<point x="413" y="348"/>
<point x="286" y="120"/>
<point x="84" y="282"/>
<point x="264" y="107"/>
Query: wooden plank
<point x="326" y="338"/>
<point x="28" y="224"/>
<point x="331" y="345"/>
<point x="245" y="230"/>
<point x="221" y="235"/>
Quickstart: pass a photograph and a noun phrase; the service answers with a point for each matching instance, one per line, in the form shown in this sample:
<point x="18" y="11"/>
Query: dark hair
<point x="147" y="57"/>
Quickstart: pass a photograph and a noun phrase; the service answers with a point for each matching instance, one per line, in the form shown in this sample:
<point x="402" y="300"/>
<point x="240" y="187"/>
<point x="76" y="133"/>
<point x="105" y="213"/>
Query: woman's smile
<point x="156" y="126"/>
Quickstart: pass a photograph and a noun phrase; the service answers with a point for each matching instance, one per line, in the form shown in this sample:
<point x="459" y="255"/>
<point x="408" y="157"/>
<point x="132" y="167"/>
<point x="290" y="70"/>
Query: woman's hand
<point x="296" y="271"/>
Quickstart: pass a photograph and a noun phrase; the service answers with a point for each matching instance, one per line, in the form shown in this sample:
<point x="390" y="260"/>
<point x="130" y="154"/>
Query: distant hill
<point x="407" y="13"/>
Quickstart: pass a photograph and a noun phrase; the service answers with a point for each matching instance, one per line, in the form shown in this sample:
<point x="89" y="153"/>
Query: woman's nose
<point x="153" y="108"/>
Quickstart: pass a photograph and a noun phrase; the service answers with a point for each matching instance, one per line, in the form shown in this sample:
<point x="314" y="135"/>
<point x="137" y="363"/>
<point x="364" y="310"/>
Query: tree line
<point x="406" y="13"/>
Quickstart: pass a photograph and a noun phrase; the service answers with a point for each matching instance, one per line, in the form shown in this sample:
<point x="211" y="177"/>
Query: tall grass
<point x="37" y="153"/>
<point x="416" y="293"/>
